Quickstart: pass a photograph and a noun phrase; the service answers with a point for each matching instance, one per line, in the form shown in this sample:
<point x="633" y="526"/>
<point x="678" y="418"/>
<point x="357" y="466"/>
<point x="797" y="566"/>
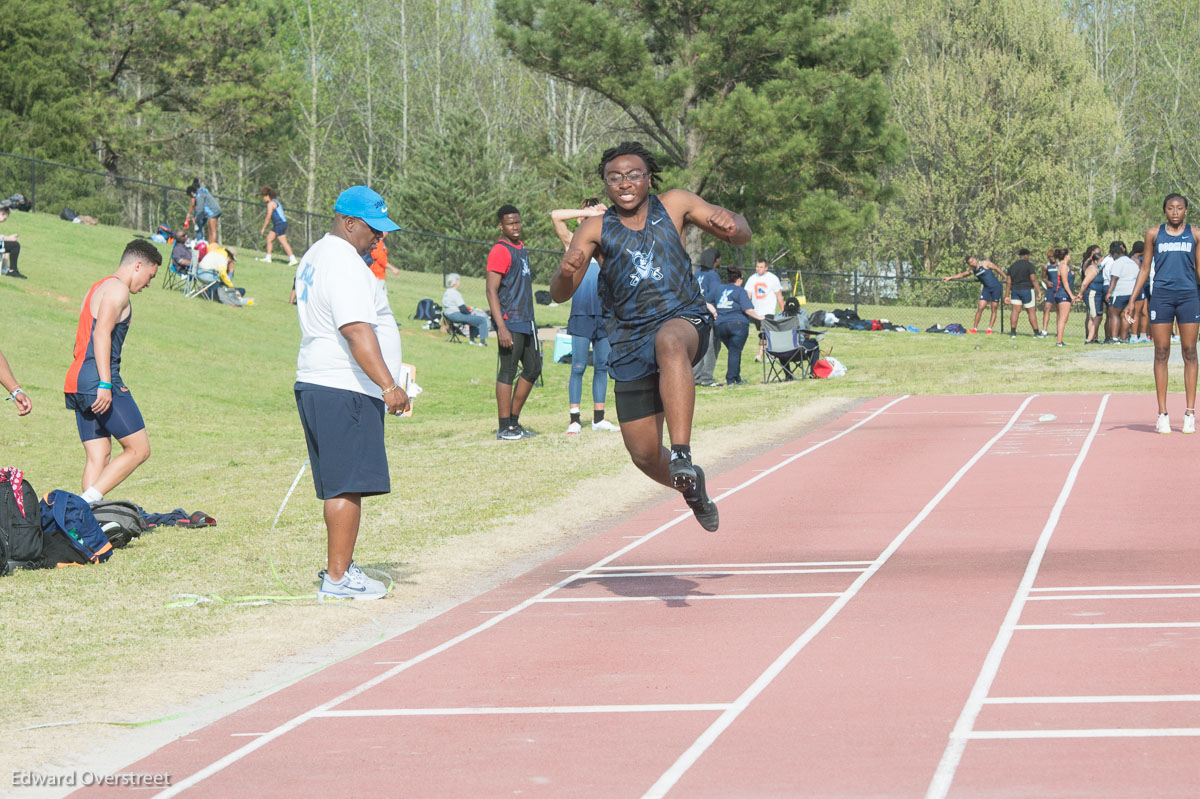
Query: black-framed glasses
<point x="633" y="176"/>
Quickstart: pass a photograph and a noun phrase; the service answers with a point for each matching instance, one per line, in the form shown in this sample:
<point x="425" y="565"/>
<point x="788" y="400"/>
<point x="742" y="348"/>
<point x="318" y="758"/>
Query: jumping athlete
<point x="279" y="225"/>
<point x="658" y="323"/>
<point x="104" y="408"/>
<point x="1174" y="297"/>
<point x="989" y="295"/>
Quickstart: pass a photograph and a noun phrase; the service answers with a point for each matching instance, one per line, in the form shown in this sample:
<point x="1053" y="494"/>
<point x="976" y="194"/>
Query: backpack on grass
<point x="20" y="523"/>
<point x="428" y="311"/>
<point x="121" y="521"/>
<point x="70" y="531"/>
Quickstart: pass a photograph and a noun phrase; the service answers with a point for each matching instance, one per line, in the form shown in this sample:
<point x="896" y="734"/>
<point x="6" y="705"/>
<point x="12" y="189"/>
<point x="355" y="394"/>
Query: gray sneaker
<point x="510" y="433"/>
<point x="353" y="585"/>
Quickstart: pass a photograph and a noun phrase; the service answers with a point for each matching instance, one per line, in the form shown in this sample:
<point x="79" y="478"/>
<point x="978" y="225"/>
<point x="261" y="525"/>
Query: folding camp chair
<point x="790" y="348"/>
<point x="454" y="330"/>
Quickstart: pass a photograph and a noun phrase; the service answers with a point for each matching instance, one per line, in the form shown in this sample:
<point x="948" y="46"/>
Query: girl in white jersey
<point x="1174" y="297"/>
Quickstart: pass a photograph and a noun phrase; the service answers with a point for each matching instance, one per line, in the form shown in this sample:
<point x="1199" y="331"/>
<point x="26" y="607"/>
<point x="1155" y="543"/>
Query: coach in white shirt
<point x="345" y="379"/>
<point x="766" y="295"/>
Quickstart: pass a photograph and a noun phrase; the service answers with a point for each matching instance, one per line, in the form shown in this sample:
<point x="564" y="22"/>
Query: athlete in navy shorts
<point x="1174" y="297"/>
<point x="989" y="294"/>
<point x="658" y="324"/>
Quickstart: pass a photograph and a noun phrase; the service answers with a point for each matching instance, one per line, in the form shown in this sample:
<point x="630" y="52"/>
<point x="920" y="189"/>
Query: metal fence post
<point x="32" y="184"/>
<point x="855" y="281"/>
<point x="443" y="262"/>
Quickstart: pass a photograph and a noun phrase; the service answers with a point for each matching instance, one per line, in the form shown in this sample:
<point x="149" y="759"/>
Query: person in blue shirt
<point x="204" y="209"/>
<point x="658" y="322"/>
<point x="586" y="328"/>
<point x="734" y="312"/>
<point x="990" y="294"/>
<point x="1174" y="297"/>
<point x="710" y="281"/>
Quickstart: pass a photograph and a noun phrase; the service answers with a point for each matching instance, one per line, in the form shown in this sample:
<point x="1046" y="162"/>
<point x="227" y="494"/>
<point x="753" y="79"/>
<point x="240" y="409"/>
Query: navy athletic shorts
<point x="1119" y="302"/>
<point x="638" y="358"/>
<point x="120" y="420"/>
<point x="280" y="228"/>
<point x="344" y="433"/>
<point x="991" y="293"/>
<point x="1022" y="297"/>
<point x="1093" y="300"/>
<point x="1168" y="306"/>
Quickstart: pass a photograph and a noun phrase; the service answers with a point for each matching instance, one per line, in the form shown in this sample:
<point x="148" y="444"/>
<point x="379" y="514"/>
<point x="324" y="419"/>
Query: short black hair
<point x="505" y="210"/>
<point x="191" y="190"/>
<point x="1139" y="246"/>
<point x="1116" y="248"/>
<point x="732" y="274"/>
<point x="1175" y="197"/>
<point x="589" y="202"/>
<point x="632" y="148"/>
<point x="141" y="249"/>
<point x="1023" y="252"/>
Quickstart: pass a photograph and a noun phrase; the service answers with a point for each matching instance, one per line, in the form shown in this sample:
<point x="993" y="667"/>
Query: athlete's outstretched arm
<point x="573" y="266"/>
<point x="712" y="219"/>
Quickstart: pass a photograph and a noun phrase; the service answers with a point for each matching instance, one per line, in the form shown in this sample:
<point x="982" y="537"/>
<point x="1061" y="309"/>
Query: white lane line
<point x="1112" y="596"/>
<point x="1016" y="735"/>
<point x="1088" y="700"/>
<point x="693" y="753"/>
<point x="686" y="597"/>
<point x="518" y="711"/>
<point x="221" y="764"/>
<point x="1118" y="588"/>
<point x="952" y="755"/>
<point x="805" y="563"/>
<point x="1133" y="625"/>
<point x="713" y="573"/>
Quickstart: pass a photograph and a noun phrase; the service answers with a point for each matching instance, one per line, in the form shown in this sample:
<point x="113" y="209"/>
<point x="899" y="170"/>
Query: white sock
<point x="92" y="496"/>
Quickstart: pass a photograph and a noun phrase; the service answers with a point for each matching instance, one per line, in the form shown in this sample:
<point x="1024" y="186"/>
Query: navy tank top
<point x="646" y="277"/>
<point x="516" y="290"/>
<point x="986" y="277"/>
<point x="1174" y="260"/>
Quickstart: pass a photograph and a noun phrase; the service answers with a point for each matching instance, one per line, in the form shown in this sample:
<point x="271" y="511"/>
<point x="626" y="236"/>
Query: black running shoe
<point x="704" y="508"/>
<point x="683" y="474"/>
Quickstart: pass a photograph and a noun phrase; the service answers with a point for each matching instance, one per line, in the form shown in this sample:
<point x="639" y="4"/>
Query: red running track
<point x="981" y="596"/>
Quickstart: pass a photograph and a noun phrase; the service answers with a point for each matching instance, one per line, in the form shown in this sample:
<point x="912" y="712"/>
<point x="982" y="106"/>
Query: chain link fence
<point x="143" y="205"/>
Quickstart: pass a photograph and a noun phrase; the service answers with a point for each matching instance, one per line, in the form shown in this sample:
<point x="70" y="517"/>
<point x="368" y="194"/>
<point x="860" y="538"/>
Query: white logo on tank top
<point x="643" y="267"/>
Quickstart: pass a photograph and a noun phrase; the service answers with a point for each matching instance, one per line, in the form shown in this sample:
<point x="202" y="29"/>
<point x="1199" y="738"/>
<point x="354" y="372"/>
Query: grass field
<point x="214" y="385"/>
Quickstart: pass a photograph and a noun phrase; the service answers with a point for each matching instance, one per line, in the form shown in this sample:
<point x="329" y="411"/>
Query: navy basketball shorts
<point x="635" y="371"/>
<point x="991" y="293"/>
<point x="280" y="228"/>
<point x="344" y="433"/>
<point x="120" y="420"/>
<point x="1168" y="306"/>
<point x="1022" y="297"/>
<point x="1093" y="299"/>
<point x="1119" y="302"/>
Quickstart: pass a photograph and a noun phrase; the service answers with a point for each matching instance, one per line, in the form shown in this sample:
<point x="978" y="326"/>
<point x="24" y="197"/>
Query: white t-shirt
<point x="451" y="301"/>
<point x="1106" y="269"/>
<point x="335" y="287"/>
<point x="762" y="290"/>
<point x="1125" y="270"/>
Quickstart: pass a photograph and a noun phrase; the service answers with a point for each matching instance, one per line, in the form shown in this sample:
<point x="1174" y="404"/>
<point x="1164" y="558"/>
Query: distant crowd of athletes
<point x="1106" y="293"/>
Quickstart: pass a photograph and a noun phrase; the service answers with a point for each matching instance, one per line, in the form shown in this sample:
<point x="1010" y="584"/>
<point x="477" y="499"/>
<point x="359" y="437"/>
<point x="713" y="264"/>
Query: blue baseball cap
<point x="361" y="202"/>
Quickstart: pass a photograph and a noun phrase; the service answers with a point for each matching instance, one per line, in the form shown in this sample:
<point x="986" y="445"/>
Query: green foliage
<point x="1005" y="120"/>
<point x="776" y="109"/>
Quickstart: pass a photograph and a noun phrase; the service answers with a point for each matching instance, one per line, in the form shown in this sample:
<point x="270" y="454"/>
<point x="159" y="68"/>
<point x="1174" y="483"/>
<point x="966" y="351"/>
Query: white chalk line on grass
<point x="952" y="755"/>
<point x="1017" y="735"/>
<point x="233" y="757"/>
<point x="1090" y="700"/>
<point x="693" y="753"/>
<point x="547" y="710"/>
